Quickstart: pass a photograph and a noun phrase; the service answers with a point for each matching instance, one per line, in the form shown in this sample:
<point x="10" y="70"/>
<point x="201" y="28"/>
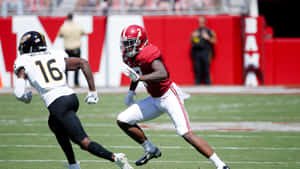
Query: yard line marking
<point x="123" y="135"/>
<point x="25" y="134"/>
<point x="211" y="126"/>
<point x="152" y="135"/>
<point x="84" y="124"/>
<point x="162" y="147"/>
<point x="168" y="161"/>
<point x="197" y="126"/>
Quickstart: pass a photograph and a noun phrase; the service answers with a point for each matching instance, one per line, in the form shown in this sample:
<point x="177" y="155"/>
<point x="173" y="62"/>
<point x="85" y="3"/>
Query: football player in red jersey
<point x="145" y="63"/>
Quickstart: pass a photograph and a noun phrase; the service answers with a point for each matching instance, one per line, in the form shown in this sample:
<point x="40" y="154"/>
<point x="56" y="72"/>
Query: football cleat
<point x="121" y="161"/>
<point x="72" y="166"/>
<point x="224" y="167"/>
<point x="148" y="156"/>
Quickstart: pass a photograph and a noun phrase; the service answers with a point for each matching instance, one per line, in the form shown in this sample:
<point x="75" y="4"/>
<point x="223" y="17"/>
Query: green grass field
<point x="27" y="142"/>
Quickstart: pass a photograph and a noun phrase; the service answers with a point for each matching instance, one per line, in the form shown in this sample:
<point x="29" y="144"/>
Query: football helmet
<point x="32" y="41"/>
<point x="133" y="39"/>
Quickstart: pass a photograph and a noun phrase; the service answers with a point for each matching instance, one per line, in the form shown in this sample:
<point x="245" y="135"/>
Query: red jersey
<point x="142" y="65"/>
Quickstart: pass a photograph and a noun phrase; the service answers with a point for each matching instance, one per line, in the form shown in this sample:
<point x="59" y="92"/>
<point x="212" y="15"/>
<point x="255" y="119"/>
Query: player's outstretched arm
<point x="20" y="86"/>
<point x="159" y="73"/>
<point x="79" y="63"/>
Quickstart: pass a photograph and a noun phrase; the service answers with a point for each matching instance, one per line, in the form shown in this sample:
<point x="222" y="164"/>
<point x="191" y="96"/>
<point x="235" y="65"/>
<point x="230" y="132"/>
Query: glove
<point x="92" y="97"/>
<point x="129" y="99"/>
<point x="128" y="71"/>
<point x="26" y="98"/>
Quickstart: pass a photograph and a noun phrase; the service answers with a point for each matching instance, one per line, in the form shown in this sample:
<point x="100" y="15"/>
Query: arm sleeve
<point x="20" y="86"/>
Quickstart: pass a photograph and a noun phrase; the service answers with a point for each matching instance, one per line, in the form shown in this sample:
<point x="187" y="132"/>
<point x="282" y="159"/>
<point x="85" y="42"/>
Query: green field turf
<point x="27" y="143"/>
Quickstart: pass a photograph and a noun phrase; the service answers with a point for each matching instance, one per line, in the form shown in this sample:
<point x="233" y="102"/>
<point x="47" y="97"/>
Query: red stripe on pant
<point x="182" y="108"/>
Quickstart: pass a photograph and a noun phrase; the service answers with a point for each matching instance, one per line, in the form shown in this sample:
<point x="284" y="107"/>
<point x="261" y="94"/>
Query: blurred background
<point x="257" y="40"/>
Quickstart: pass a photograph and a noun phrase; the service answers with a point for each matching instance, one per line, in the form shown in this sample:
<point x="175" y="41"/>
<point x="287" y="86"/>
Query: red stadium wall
<point x="282" y="61"/>
<point x="280" y="57"/>
<point x="172" y="35"/>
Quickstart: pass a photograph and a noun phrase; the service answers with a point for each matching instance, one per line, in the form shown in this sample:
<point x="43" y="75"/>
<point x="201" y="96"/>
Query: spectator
<point x="36" y="6"/>
<point x="84" y="6"/>
<point x="104" y="6"/>
<point x="135" y="5"/>
<point x="201" y="4"/>
<point x="11" y="7"/>
<point x="202" y="40"/>
<point x="72" y="32"/>
<point x="269" y="32"/>
<point x="160" y="5"/>
<point x="180" y="5"/>
<point x="164" y="5"/>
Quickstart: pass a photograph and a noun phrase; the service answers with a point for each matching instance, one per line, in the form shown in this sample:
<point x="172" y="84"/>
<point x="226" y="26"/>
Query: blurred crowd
<point x="21" y="7"/>
<point x="142" y="5"/>
<point x="102" y="7"/>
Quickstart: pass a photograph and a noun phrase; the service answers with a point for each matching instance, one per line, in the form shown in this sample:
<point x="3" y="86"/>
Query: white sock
<point x="148" y="146"/>
<point x="216" y="160"/>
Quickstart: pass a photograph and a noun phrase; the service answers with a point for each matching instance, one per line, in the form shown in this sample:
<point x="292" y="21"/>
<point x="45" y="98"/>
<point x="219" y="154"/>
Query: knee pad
<point x="182" y="131"/>
<point x="123" y="117"/>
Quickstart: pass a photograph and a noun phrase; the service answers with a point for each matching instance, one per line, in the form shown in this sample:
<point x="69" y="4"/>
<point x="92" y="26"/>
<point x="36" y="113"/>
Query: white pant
<point x="149" y="108"/>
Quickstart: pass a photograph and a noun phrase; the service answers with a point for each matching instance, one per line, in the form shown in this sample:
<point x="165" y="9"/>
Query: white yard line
<point x="152" y="135"/>
<point x="162" y="147"/>
<point x="169" y="161"/>
<point x="232" y="126"/>
<point x="199" y="126"/>
<point x="194" y="90"/>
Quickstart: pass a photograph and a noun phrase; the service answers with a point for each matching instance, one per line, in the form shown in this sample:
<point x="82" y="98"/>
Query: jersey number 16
<point x="51" y="69"/>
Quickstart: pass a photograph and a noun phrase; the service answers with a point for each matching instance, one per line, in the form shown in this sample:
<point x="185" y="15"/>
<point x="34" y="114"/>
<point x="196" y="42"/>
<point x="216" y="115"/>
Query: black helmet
<point x="32" y="41"/>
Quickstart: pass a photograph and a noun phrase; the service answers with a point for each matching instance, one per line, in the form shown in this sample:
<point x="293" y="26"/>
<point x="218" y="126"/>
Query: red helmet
<point x="133" y="39"/>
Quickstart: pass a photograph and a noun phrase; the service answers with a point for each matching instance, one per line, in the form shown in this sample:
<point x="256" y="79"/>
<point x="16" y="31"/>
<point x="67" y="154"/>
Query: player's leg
<point x="75" y="131"/>
<point x="76" y="53"/>
<point x="197" y="68"/>
<point x="63" y="140"/>
<point x="71" y="125"/>
<point x="127" y="120"/>
<point x="143" y="110"/>
<point x="206" y="69"/>
<point x="180" y="119"/>
<point x="204" y="148"/>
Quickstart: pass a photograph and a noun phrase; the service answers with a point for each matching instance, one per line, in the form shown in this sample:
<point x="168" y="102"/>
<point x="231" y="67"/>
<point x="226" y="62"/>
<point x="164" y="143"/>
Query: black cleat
<point x="225" y="167"/>
<point x="148" y="156"/>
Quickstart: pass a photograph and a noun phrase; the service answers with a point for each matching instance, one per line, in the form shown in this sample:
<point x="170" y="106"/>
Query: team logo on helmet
<point x="32" y="41"/>
<point x="133" y="39"/>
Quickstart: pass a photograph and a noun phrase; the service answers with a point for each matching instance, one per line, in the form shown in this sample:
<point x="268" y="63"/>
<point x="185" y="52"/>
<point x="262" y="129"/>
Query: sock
<point x="100" y="151"/>
<point x="148" y="146"/>
<point x="216" y="160"/>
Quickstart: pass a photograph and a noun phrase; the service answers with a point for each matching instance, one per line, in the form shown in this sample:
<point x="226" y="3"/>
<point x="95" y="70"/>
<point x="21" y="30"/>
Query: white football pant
<point x="171" y="102"/>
